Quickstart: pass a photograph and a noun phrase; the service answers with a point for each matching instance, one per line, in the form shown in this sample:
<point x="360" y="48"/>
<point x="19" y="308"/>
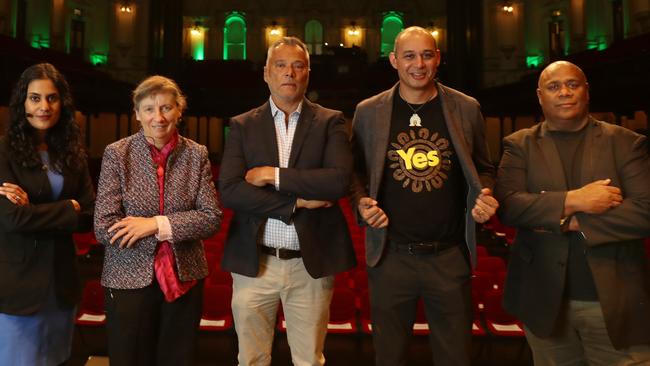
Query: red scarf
<point x="164" y="262"/>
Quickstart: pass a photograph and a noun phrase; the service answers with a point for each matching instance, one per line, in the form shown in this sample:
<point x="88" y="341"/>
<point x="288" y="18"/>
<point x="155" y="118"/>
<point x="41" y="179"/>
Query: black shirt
<point x="423" y="189"/>
<point x="580" y="282"/>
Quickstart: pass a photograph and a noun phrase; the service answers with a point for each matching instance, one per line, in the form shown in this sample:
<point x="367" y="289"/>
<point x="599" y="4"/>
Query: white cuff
<point x="164" y="228"/>
<point x="277" y="178"/>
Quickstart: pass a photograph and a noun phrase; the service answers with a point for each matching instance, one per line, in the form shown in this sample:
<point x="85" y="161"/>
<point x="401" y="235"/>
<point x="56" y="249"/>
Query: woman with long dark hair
<point x="45" y="195"/>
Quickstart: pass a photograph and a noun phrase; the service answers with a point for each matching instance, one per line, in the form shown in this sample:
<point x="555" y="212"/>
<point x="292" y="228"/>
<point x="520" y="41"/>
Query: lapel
<point x="44" y="192"/>
<point x="68" y="185"/>
<point x="38" y="175"/>
<point x="453" y="121"/>
<point x="551" y="158"/>
<point x="305" y="122"/>
<point x="590" y="155"/>
<point x="146" y="163"/>
<point x="267" y="129"/>
<point x="381" y="130"/>
<point x="146" y="176"/>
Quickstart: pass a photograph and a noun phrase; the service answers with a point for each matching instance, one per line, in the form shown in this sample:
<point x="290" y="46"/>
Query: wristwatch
<point x="564" y="223"/>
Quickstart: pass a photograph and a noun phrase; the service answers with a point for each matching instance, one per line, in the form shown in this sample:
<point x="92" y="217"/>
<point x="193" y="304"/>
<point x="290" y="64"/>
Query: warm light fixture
<point x="125" y="9"/>
<point x="326" y="44"/>
<point x="196" y="29"/>
<point x="340" y="44"/>
<point x="353" y="30"/>
<point x="275" y="30"/>
<point x="556" y="13"/>
<point x="433" y="30"/>
<point x="507" y="7"/>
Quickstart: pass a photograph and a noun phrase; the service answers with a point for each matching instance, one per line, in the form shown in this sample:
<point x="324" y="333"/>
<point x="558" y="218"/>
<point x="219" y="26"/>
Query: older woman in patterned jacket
<point x="155" y="202"/>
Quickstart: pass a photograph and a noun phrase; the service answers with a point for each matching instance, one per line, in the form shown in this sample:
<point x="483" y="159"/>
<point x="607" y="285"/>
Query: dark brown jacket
<point x="531" y="189"/>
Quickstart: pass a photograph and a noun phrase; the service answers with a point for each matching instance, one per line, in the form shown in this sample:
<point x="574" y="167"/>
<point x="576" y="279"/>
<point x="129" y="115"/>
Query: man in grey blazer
<point x="422" y="179"/>
<point x="578" y="192"/>
<point x="285" y="165"/>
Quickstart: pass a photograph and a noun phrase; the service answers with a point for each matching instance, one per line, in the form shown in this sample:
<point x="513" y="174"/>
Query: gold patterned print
<point x="420" y="160"/>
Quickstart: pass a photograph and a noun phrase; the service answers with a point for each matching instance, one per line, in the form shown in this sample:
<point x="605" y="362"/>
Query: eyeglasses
<point x="556" y="86"/>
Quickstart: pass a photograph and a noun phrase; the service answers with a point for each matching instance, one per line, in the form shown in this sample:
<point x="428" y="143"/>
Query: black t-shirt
<point x="580" y="283"/>
<point x="423" y="188"/>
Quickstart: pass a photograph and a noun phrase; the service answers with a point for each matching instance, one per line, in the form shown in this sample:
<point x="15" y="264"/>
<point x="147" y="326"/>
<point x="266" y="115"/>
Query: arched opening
<point x="234" y="37"/>
<point x="390" y="28"/>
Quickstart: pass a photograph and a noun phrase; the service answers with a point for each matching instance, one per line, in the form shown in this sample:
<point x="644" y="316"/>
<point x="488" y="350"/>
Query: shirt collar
<point x="275" y="109"/>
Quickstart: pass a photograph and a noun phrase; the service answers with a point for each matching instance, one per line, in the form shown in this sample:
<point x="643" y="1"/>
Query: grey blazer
<point x="370" y="133"/>
<point x="128" y="187"/>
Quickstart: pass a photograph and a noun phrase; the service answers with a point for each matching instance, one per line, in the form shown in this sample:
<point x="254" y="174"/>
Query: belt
<point x="423" y="248"/>
<point x="280" y="253"/>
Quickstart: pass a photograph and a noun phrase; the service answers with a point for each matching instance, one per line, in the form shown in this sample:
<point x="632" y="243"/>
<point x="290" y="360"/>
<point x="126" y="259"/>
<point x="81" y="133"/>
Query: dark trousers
<point x="443" y="282"/>
<point x="144" y="329"/>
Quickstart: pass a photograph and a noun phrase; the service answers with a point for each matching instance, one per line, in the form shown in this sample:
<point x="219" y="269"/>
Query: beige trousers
<point x="305" y="302"/>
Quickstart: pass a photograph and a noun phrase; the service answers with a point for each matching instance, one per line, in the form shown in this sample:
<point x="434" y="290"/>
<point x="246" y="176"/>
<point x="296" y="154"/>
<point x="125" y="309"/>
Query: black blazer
<point x="531" y="188"/>
<point x="36" y="244"/>
<point x="320" y="164"/>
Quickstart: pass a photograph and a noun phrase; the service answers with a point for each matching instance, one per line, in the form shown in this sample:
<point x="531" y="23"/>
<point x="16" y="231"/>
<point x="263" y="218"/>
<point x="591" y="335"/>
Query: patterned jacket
<point x="128" y="187"/>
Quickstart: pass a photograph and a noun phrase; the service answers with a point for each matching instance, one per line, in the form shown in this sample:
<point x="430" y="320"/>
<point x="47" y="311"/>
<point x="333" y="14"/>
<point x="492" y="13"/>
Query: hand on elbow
<point x="131" y="229"/>
<point x="595" y="198"/>
<point x="260" y="176"/>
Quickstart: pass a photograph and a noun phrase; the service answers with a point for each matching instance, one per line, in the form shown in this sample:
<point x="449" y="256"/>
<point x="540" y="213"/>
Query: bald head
<point x="411" y="31"/>
<point x="557" y="66"/>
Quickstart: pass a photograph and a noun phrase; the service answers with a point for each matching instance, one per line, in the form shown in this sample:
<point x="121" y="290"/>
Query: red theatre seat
<point x="490" y="264"/>
<point x="421" y="326"/>
<point x="91" y="309"/>
<point x="366" y="321"/>
<point x="360" y="280"/>
<point x="217" y="314"/>
<point x="83" y="242"/>
<point x="478" y="329"/>
<point x="481" y="251"/>
<point x="343" y="312"/>
<point x="497" y="320"/>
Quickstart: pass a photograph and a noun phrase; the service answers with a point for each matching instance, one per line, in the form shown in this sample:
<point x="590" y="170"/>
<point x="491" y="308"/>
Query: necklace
<point x="415" y="120"/>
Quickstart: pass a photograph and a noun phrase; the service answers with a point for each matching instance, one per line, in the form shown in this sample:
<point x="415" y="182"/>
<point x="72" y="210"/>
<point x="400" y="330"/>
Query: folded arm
<point x="67" y="215"/>
<point x="240" y="195"/>
<point x="329" y="182"/>
<point x="602" y="212"/>
<point x="628" y="215"/>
